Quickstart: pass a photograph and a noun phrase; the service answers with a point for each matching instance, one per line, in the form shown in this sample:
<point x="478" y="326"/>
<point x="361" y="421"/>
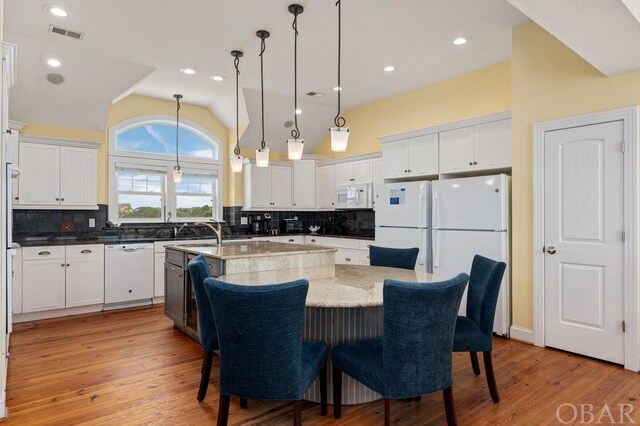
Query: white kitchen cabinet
<point x="267" y="188"/>
<point x="347" y="257"/>
<point x="343" y="173"/>
<point x="480" y="147"/>
<point x="57" y="175"/>
<point x="304" y="184"/>
<point x="292" y="239"/>
<point x="412" y="157"/>
<point x="43" y="284"/>
<point x="158" y="274"/>
<point x="84" y="275"/>
<point x="359" y="171"/>
<point x="325" y="187"/>
<point x="16" y="290"/>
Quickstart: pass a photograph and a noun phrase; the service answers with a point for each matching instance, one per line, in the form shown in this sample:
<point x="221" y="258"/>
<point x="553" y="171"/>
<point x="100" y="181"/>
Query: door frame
<point x="629" y="117"/>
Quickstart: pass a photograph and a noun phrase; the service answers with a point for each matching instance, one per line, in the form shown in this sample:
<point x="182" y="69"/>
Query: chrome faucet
<point x="177" y="231"/>
<point x="217" y="229"/>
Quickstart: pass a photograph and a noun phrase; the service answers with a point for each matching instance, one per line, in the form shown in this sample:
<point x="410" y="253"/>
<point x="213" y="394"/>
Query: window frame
<point x="162" y="194"/>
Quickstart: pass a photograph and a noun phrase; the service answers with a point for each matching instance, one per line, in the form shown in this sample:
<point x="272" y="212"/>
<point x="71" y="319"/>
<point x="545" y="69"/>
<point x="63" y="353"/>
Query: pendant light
<point x="339" y="133"/>
<point x="236" y="158"/>
<point x="295" y="146"/>
<point x="177" y="173"/>
<point x="262" y="153"/>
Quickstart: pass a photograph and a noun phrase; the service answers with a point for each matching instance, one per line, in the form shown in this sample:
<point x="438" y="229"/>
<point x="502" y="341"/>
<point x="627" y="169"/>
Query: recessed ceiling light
<point x="337" y="88"/>
<point x="389" y="68"/>
<point x="459" y="41"/>
<point x="217" y="77"/>
<point x="53" y="62"/>
<point x="57" y="11"/>
<point x="189" y="71"/>
<point x="298" y="111"/>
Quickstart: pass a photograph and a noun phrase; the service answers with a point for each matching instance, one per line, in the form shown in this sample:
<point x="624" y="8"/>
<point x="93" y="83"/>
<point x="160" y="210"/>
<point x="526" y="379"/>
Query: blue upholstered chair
<point x="413" y="357"/>
<point x="474" y="333"/>
<point x="393" y="257"/>
<point x="262" y="354"/>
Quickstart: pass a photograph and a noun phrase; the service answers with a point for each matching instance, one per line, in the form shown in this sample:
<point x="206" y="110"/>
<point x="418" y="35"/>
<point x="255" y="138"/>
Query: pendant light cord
<point x="295" y="133"/>
<point x="339" y="121"/>
<point x="177" y="166"/>
<point x="236" y="150"/>
<point x="263" y="144"/>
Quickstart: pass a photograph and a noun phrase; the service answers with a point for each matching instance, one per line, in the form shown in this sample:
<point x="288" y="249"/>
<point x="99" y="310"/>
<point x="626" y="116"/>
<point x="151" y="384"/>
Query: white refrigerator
<point x="403" y="218"/>
<point x="471" y="216"/>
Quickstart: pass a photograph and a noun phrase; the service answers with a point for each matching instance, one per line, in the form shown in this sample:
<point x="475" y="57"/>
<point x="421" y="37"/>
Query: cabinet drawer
<point x="347" y="257"/>
<point x="345" y="243"/>
<point x="175" y="257"/>
<point x="89" y="251"/>
<point x="43" y="252"/>
<point x="292" y="239"/>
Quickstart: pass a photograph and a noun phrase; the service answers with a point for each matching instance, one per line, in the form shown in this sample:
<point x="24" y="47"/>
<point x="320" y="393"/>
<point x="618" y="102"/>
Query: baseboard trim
<point x="521" y="334"/>
<point x="34" y="316"/>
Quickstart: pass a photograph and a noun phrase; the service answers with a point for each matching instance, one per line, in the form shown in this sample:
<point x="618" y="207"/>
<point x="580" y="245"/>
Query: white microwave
<point x="355" y="196"/>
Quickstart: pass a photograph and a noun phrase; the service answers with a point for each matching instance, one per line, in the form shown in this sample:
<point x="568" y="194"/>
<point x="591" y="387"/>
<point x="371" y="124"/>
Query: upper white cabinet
<point x="411" y="157"/>
<point x="267" y="188"/>
<point x="325" y="187"/>
<point x="481" y="147"/>
<point x="57" y="176"/>
<point x="360" y="171"/>
<point x="304" y="184"/>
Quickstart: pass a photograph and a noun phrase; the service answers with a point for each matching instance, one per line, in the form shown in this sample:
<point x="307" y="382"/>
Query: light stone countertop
<point x="247" y="249"/>
<point x="339" y="286"/>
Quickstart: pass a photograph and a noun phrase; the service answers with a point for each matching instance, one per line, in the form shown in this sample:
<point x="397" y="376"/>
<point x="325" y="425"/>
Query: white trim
<point x="371" y="156"/>
<point x="10" y="54"/>
<point x="33" y="316"/>
<point x="629" y="116"/>
<point x="45" y="140"/>
<point x="16" y="125"/>
<point x="521" y="334"/>
<point x="482" y="119"/>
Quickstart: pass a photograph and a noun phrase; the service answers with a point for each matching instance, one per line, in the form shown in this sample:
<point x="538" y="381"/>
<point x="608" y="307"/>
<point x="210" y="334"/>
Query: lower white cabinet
<point x="350" y="251"/>
<point x="84" y="275"/>
<point x="16" y="283"/>
<point x="158" y="274"/>
<point x="292" y="239"/>
<point x="43" y="286"/>
<point x="347" y="257"/>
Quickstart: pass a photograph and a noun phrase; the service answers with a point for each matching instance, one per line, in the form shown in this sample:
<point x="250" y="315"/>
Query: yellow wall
<point x="481" y="92"/>
<point x="549" y="81"/>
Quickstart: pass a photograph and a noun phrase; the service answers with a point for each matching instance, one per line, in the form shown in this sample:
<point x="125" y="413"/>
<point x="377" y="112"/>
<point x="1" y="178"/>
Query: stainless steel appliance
<point x="291" y="225"/>
<point x="355" y="196"/>
<point x="259" y="223"/>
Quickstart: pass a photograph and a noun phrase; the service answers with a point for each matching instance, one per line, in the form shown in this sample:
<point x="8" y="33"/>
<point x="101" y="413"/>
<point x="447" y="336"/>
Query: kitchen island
<point x="230" y="258"/>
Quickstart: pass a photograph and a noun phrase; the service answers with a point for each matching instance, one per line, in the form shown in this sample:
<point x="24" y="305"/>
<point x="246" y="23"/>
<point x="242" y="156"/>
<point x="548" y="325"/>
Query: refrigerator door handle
<point x="436" y="249"/>
<point x="436" y="203"/>
<point x="421" y="221"/>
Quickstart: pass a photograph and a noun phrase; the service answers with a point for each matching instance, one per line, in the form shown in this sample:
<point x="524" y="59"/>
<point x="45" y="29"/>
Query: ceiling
<point x="139" y="47"/>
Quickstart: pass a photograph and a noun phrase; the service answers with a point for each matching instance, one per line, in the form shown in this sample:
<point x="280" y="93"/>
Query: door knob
<point x="551" y="250"/>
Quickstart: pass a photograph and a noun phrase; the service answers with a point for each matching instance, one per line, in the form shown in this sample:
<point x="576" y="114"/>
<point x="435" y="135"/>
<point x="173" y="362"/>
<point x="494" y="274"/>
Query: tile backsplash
<point x="58" y="221"/>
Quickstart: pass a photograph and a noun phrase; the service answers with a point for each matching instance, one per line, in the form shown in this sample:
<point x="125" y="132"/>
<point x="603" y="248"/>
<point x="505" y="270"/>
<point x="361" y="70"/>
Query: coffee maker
<point x="259" y="223"/>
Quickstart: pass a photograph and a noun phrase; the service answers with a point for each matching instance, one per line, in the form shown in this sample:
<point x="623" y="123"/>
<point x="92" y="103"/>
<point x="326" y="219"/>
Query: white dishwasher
<point x="128" y="272"/>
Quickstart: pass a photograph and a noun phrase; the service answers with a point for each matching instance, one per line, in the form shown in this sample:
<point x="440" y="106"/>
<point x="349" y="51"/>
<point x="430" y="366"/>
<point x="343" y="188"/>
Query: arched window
<point x="141" y="158"/>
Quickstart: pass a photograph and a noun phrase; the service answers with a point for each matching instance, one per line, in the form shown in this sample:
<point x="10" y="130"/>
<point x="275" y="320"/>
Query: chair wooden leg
<point x="323" y="391"/>
<point x="206" y="374"/>
<point x="449" y="407"/>
<point x="223" y="410"/>
<point x="243" y="402"/>
<point x="337" y="393"/>
<point x="491" y="378"/>
<point x="474" y="363"/>
<point x="387" y="412"/>
<point x="297" y="413"/>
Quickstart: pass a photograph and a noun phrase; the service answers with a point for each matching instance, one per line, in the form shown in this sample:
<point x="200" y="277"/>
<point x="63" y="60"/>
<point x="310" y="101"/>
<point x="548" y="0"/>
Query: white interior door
<point x="583" y="290"/>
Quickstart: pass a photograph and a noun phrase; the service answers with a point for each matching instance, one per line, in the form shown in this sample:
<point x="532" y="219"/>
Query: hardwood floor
<point x="133" y="368"/>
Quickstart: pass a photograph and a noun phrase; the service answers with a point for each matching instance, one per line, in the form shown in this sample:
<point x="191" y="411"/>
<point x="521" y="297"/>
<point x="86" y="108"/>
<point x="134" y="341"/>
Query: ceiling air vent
<point x="65" y="32"/>
<point x="315" y="94"/>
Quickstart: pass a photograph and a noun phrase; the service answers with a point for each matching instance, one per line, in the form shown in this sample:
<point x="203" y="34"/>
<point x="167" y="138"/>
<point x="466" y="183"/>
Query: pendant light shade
<point x="262" y="153"/>
<point x="177" y="173"/>
<point x="295" y="145"/>
<point x="236" y="158"/>
<point x="339" y="133"/>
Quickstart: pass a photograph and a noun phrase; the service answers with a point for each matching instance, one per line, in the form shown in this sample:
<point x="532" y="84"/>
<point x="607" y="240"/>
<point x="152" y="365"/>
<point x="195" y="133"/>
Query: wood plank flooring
<point x="132" y="368"/>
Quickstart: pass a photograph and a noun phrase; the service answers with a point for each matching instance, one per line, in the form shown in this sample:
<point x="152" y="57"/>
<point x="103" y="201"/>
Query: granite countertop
<point x="248" y="249"/>
<point x="340" y="286"/>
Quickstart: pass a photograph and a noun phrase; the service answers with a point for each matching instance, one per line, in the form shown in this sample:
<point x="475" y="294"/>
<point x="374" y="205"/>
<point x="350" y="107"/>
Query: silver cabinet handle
<point x="551" y="250"/>
<point x="368" y="245"/>
<point x="471" y="163"/>
<point x="57" y="198"/>
<point x="291" y="240"/>
<point x="348" y="259"/>
<point x="87" y="251"/>
<point x="313" y="240"/>
<point x="68" y="264"/>
<point x="44" y="253"/>
<point x="62" y="264"/>
<point x="367" y="256"/>
<point x="61" y="199"/>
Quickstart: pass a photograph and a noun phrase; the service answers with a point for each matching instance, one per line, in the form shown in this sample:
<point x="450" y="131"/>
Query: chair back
<point x="393" y="257"/>
<point x="260" y="334"/>
<point x="199" y="271"/>
<point x="484" y="286"/>
<point x="419" y="324"/>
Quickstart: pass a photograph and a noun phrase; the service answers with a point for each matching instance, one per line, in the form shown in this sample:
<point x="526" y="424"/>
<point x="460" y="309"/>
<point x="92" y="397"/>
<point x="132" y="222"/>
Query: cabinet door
<point x="492" y="145"/>
<point x="174" y="293"/>
<point x="378" y="176"/>
<point x="362" y="171"/>
<point x="39" y="182"/>
<point x="158" y="274"/>
<point x="259" y="188"/>
<point x="281" y="187"/>
<point x="423" y="155"/>
<point x="343" y="173"/>
<point x="16" y="283"/>
<point x="325" y="187"/>
<point x="78" y="176"/>
<point x="456" y="150"/>
<point x="85" y="281"/>
<point x="347" y="257"/>
<point x="304" y="184"/>
<point x="43" y="285"/>
<point x="395" y="156"/>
